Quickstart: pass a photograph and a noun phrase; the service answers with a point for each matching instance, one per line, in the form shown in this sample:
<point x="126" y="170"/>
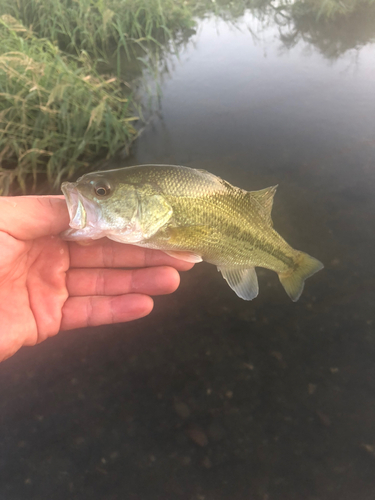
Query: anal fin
<point x="243" y="281"/>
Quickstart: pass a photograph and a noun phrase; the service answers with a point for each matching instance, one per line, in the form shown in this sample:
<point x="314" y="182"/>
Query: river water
<point x="212" y="397"/>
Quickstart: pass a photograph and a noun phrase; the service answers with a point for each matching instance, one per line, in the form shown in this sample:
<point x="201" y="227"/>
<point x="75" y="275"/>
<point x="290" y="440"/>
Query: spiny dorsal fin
<point x="265" y="199"/>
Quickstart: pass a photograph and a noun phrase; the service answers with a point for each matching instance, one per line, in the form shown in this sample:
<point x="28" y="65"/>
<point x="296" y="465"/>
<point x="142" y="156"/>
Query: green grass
<point x="56" y="114"/>
<point x="101" y="26"/>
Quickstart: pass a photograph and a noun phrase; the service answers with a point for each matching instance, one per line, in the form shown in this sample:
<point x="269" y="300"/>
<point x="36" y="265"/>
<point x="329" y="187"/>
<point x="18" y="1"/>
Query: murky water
<point x="211" y="397"/>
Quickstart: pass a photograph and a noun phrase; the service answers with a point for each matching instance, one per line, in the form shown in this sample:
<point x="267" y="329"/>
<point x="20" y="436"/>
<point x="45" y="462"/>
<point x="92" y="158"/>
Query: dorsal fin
<point x="265" y="199"/>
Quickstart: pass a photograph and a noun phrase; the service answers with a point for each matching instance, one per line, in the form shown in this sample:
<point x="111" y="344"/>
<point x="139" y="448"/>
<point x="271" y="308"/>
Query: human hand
<point x="47" y="284"/>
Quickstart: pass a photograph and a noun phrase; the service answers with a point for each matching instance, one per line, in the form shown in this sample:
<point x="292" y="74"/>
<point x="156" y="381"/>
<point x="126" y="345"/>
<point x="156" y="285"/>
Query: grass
<point x="56" y="114"/>
<point x="102" y="26"/>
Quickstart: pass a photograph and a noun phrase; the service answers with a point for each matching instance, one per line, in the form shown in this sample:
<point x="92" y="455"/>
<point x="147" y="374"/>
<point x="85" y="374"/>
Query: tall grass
<point x="56" y="114"/>
<point x="99" y="26"/>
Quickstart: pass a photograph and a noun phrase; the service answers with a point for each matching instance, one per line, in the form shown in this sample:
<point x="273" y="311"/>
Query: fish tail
<point x="293" y="280"/>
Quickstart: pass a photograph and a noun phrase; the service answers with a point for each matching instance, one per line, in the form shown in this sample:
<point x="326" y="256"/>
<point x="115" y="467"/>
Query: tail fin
<point x="293" y="281"/>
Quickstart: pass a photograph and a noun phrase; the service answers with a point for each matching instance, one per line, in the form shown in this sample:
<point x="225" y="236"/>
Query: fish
<point x="192" y="215"/>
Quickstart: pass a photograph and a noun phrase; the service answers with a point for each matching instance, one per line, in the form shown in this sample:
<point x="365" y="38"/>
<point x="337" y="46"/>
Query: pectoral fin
<point x="243" y="281"/>
<point x="186" y="256"/>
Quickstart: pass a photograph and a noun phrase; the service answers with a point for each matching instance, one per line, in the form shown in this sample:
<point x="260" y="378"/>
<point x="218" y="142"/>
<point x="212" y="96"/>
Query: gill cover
<point x="153" y="212"/>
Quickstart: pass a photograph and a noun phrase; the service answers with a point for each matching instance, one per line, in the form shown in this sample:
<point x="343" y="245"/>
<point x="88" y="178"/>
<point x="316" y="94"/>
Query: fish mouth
<point x="77" y="212"/>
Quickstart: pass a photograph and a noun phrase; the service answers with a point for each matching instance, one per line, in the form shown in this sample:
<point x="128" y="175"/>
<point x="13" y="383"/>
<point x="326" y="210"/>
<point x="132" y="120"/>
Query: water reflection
<point x="332" y="37"/>
<point x="333" y="27"/>
<point x="232" y="95"/>
<point x="330" y="26"/>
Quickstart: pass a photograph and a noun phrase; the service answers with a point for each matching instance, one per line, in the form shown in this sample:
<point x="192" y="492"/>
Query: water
<point x="212" y="397"/>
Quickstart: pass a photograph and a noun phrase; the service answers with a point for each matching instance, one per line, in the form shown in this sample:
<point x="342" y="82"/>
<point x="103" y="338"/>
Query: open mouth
<point x="77" y="212"/>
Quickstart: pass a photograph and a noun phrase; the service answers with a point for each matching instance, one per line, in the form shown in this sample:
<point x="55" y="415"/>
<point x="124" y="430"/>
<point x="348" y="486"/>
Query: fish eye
<point x="102" y="189"/>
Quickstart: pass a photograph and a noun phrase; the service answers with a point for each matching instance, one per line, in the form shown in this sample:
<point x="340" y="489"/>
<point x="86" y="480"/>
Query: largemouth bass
<point x="189" y="214"/>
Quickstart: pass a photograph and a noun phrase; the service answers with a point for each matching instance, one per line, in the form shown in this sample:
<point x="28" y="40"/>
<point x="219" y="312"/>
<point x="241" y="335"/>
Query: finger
<point x="28" y="217"/>
<point x="80" y="312"/>
<point x="150" y="281"/>
<point x="107" y="253"/>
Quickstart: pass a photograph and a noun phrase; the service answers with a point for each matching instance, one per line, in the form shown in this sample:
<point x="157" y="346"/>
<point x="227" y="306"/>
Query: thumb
<point x="29" y="217"/>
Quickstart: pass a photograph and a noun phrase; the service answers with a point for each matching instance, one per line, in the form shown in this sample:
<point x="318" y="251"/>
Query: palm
<point x="33" y="287"/>
<point x="47" y="284"/>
